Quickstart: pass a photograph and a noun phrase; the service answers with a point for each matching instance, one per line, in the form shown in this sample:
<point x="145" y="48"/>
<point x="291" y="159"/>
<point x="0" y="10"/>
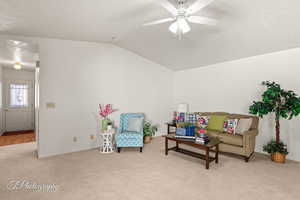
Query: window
<point x="18" y="95"/>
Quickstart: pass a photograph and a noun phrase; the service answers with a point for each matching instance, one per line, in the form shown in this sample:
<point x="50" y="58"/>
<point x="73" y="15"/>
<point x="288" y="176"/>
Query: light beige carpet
<point x="131" y="175"/>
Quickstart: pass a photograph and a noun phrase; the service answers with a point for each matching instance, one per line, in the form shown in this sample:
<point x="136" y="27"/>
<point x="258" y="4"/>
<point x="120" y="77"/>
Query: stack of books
<point x="184" y="137"/>
<point x="202" y="139"/>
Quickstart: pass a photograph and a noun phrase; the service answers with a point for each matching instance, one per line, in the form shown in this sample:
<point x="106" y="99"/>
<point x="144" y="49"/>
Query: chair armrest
<point x="119" y="130"/>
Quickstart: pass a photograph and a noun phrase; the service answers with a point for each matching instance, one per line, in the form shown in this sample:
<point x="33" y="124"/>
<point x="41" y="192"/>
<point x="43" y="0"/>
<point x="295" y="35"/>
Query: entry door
<point x="19" y="105"/>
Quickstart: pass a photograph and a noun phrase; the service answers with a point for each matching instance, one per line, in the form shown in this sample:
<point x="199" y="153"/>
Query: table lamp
<point x="183" y="108"/>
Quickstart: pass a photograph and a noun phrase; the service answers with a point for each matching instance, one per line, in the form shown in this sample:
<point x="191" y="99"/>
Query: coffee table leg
<point x="207" y="158"/>
<point x="166" y="146"/>
<point x="217" y="153"/>
<point x="177" y="146"/>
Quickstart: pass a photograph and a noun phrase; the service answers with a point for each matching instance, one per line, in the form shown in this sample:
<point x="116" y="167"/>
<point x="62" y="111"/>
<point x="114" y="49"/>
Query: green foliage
<point x="273" y="147"/>
<point x="285" y="104"/>
<point x="149" y="129"/>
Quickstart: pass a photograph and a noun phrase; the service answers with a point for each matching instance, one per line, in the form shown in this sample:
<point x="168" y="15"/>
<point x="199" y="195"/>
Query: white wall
<point x="1" y="104"/>
<point x="232" y="87"/>
<point x="77" y="76"/>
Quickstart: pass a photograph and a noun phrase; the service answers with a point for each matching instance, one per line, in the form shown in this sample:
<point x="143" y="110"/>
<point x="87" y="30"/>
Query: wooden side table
<point x="107" y="141"/>
<point x="170" y="124"/>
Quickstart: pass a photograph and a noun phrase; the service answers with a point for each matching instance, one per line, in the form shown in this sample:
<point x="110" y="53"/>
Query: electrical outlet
<point x="92" y="137"/>
<point x="74" y="139"/>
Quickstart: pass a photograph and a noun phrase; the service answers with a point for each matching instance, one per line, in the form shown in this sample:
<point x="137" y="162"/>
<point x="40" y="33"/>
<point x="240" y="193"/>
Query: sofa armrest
<point x="249" y="141"/>
<point x="252" y="132"/>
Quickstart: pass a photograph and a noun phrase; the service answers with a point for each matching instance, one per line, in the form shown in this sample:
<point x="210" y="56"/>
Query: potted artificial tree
<point x="149" y="131"/>
<point x="285" y="104"/>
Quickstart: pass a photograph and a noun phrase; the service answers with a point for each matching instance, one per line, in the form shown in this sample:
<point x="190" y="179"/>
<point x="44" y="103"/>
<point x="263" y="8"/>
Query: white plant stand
<point x="107" y="141"/>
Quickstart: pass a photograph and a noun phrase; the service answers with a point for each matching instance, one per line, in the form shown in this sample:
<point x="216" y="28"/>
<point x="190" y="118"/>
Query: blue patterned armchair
<point x="128" y="138"/>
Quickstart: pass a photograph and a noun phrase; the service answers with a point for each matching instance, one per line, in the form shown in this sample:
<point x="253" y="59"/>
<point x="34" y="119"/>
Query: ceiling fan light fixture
<point x="182" y="15"/>
<point x="180" y="26"/>
<point x="173" y="27"/>
<point x="17" y="66"/>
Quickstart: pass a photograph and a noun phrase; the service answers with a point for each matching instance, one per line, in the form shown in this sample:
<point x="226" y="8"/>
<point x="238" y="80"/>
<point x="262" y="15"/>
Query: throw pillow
<point x="192" y="118"/>
<point x="181" y="117"/>
<point x="202" y="121"/>
<point x="216" y="122"/>
<point x="135" y="124"/>
<point x="243" y="125"/>
<point x="230" y="126"/>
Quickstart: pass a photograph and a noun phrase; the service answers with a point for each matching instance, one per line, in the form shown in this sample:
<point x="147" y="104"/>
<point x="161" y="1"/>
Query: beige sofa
<point x="243" y="145"/>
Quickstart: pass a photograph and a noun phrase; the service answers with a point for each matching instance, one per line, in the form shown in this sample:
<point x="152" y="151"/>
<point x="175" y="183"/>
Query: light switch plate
<point x="50" y="105"/>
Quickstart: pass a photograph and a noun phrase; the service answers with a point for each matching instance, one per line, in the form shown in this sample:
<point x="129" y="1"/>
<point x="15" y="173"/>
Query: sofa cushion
<point x="230" y="126"/>
<point x="243" y="125"/>
<point x="135" y="124"/>
<point x="192" y="117"/>
<point x="129" y="135"/>
<point x="202" y="121"/>
<point x="231" y="139"/>
<point x="129" y="139"/>
<point x="226" y="138"/>
<point x="216" y="122"/>
<point x="213" y="133"/>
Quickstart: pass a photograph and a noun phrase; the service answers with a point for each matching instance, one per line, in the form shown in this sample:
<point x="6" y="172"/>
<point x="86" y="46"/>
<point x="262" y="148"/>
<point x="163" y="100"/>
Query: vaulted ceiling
<point x="12" y="51"/>
<point x="246" y="28"/>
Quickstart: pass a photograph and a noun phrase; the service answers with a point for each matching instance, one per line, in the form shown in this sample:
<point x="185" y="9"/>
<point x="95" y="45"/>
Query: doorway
<point x="19" y="102"/>
<point x="19" y="80"/>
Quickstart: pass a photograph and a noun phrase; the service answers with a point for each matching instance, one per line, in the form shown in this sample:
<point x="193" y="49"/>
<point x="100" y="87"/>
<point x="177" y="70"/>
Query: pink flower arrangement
<point x="106" y="110"/>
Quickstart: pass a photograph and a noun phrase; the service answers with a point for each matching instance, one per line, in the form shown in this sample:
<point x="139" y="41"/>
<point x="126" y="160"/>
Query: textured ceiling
<point x="246" y="28"/>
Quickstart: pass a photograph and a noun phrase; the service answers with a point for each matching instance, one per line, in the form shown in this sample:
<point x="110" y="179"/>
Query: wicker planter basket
<point x="147" y="139"/>
<point x="278" y="157"/>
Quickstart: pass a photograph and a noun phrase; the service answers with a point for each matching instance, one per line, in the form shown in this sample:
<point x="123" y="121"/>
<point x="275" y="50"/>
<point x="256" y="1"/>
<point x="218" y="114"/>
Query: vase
<point x="104" y="124"/>
<point x="109" y="127"/>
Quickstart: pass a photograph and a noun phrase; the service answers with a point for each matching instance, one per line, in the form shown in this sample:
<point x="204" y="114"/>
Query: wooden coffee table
<point x="211" y="146"/>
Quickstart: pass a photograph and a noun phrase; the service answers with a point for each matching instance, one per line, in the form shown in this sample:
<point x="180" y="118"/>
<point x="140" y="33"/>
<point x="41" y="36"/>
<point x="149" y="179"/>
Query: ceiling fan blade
<point x="202" y="20"/>
<point x="161" y="21"/>
<point x="198" y="5"/>
<point x="169" y="7"/>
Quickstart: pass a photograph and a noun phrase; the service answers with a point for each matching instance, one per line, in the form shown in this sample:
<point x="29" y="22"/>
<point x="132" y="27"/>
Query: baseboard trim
<point x="41" y="156"/>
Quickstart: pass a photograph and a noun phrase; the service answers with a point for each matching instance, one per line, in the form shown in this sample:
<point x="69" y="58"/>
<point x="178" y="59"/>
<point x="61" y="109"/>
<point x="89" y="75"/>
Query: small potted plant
<point x="278" y="151"/>
<point x="285" y="104"/>
<point x="149" y="131"/>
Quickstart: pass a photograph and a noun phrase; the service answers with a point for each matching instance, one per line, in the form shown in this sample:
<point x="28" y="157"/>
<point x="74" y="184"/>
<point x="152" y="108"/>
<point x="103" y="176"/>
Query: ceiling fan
<point x="182" y="14"/>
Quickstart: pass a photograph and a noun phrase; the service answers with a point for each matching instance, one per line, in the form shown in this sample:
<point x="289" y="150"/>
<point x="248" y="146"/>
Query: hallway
<point x="17" y="137"/>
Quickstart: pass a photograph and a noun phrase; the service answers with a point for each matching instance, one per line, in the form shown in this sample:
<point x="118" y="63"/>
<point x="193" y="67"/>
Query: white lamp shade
<point x="180" y="26"/>
<point x="17" y="66"/>
<point x="183" y="108"/>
